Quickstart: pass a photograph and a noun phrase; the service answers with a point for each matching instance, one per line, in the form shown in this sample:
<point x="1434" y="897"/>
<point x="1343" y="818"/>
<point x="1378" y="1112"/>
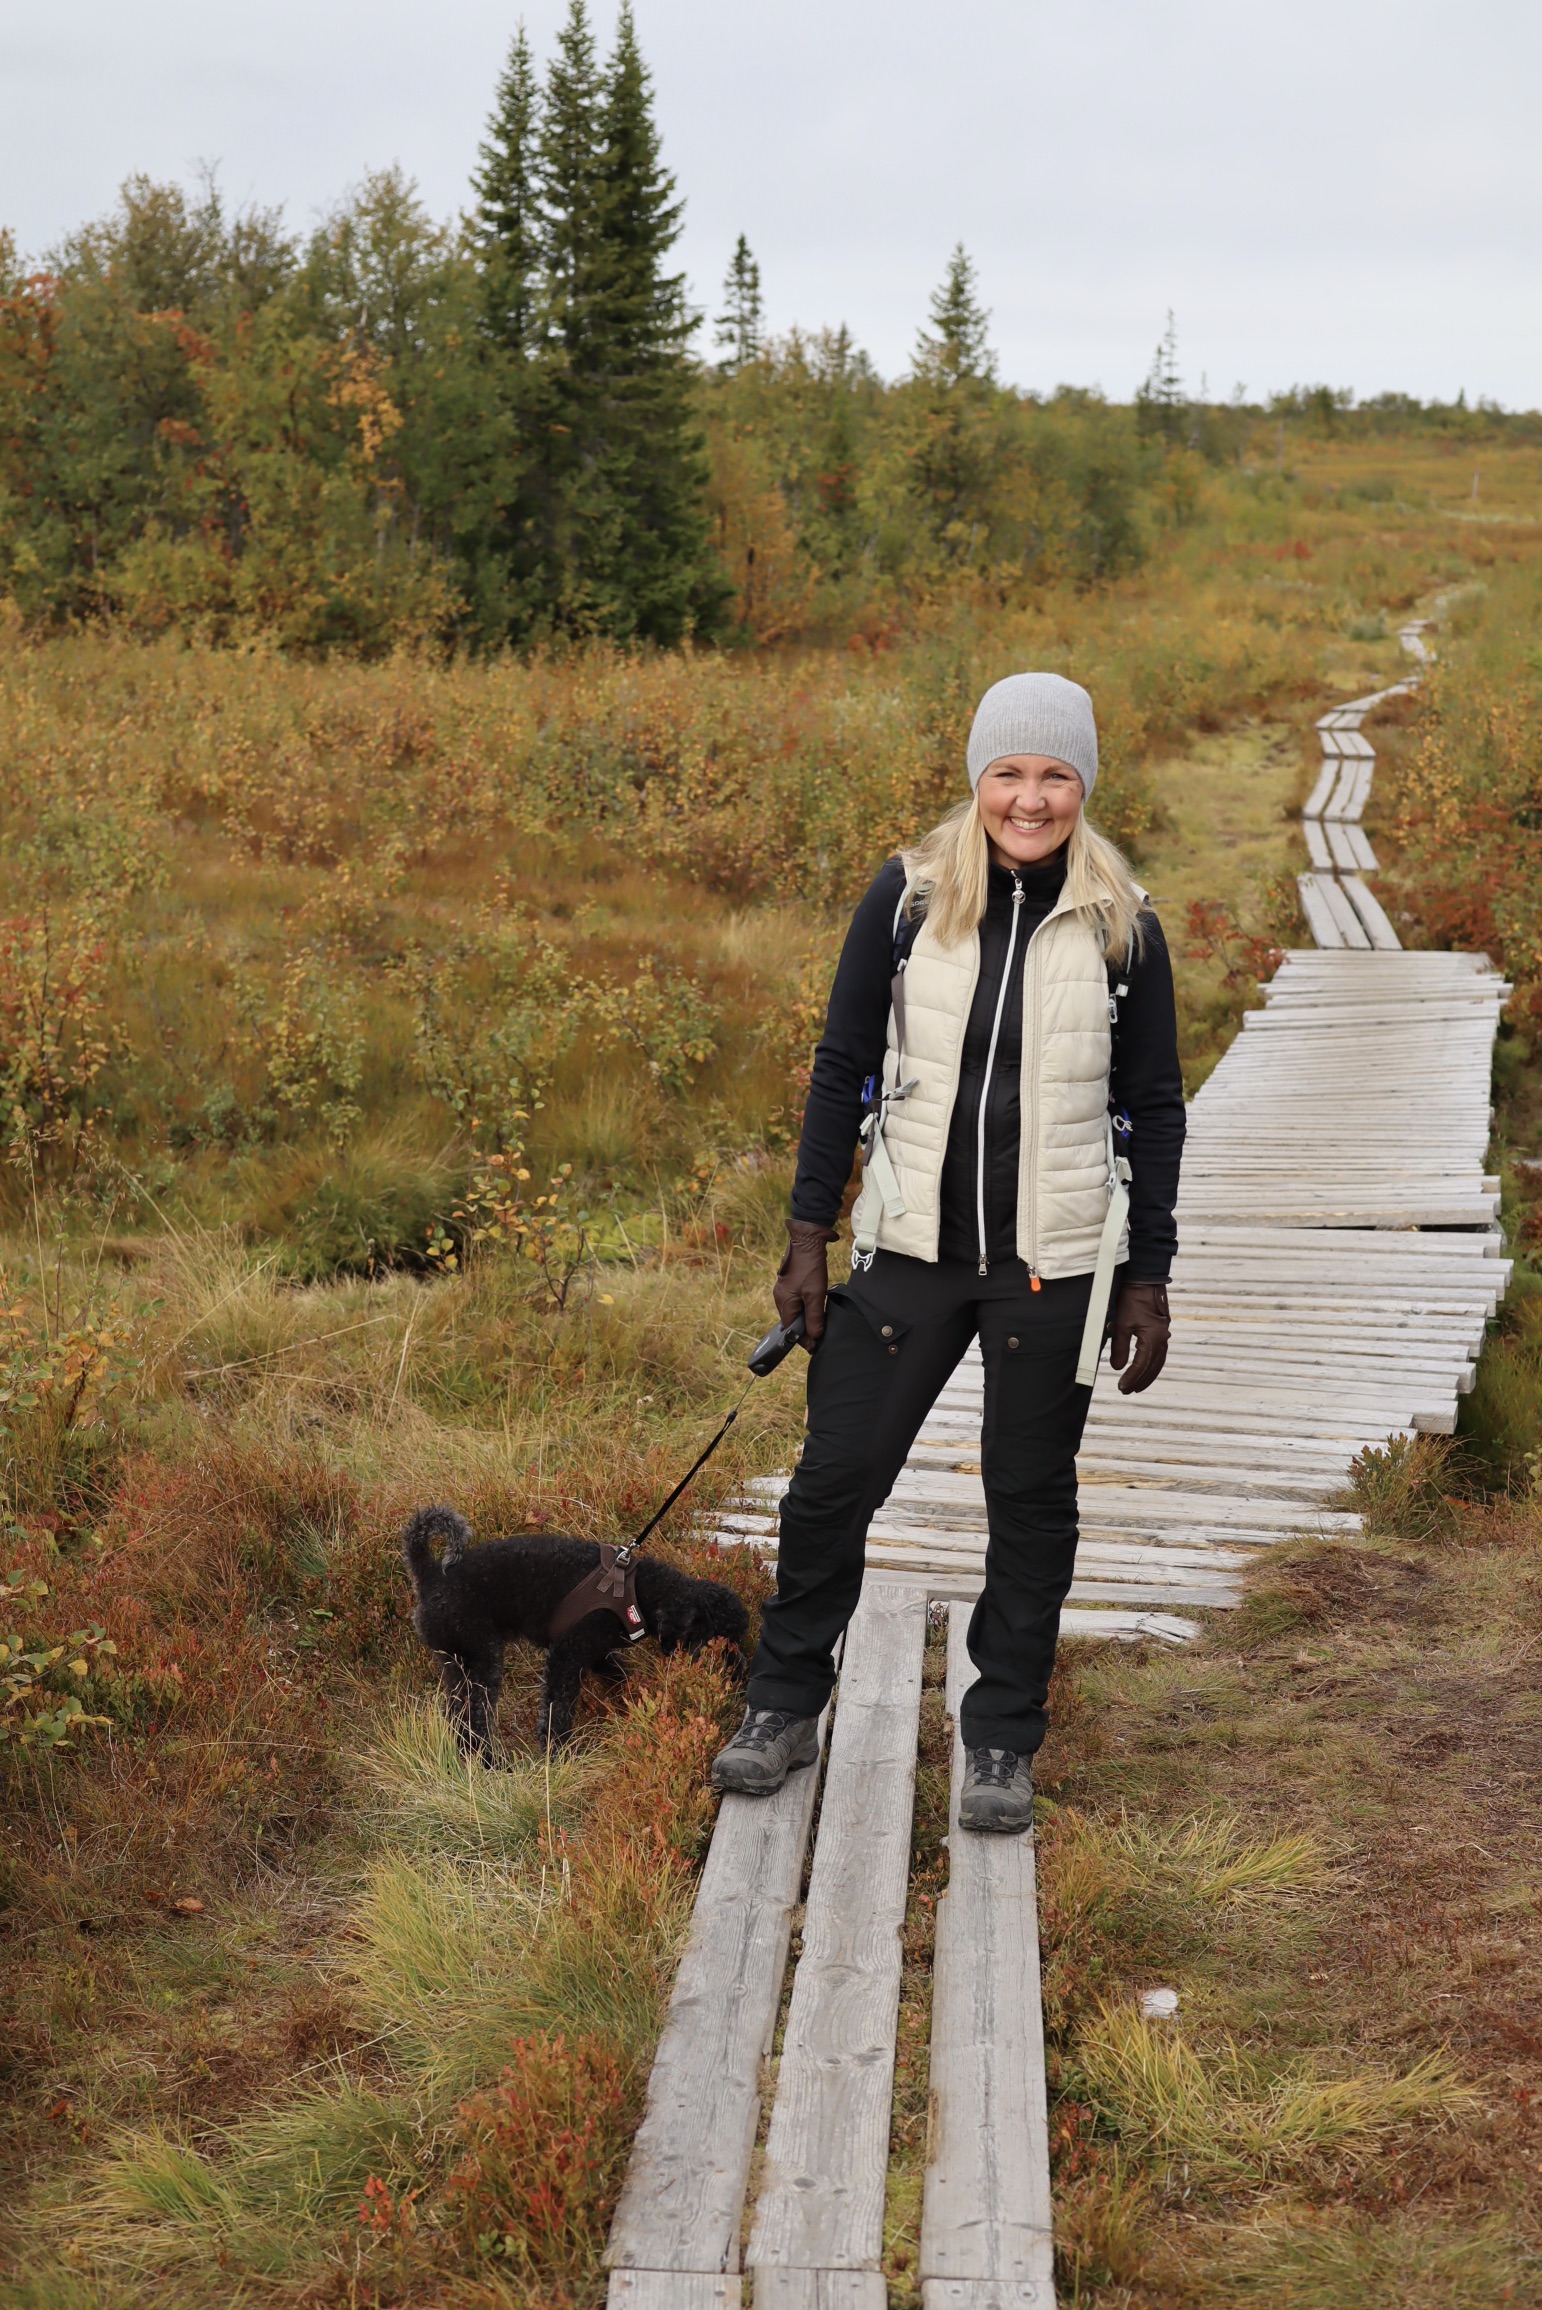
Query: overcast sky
<point x="1346" y="191"/>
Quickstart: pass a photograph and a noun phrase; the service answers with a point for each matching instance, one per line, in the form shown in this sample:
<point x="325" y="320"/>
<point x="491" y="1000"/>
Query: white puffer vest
<point x="1065" y="1177"/>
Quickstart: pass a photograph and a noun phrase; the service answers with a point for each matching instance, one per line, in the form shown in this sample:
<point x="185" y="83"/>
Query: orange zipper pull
<point x="1033" y="1280"/>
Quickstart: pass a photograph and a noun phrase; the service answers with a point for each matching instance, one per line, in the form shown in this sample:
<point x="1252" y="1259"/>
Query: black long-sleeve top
<point x="1146" y="1083"/>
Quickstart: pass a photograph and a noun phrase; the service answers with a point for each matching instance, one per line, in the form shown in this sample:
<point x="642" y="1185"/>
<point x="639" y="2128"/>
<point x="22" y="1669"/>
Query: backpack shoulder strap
<point x="906" y="928"/>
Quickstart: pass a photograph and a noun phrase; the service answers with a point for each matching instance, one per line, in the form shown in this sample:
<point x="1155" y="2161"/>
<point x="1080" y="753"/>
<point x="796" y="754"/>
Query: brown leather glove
<point x="803" y="1280"/>
<point x="1140" y="1313"/>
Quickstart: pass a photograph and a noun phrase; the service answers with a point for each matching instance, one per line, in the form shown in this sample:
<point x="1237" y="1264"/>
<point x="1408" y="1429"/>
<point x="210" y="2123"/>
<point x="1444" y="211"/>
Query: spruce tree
<point x="1161" y="405"/>
<point x="606" y="528"/>
<point x="956" y="348"/>
<point x="506" y="227"/>
<point x="572" y="189"/>
<point x="956" y="456"/>
<point x="509" y="563"/>
<point x="740" y="327"/>
<point x="667" y="582"/>
<point x="573" y="501"/>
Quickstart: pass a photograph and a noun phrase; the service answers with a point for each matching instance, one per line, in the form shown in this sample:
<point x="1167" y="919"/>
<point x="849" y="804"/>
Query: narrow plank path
<point x="818" y="2235"/>
<point x="986" y="2241"/>
<point x="1340" y="1259"/>
<point x="676" y="2230"/>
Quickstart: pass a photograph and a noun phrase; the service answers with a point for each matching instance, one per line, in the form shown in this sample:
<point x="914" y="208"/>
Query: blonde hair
<point x="950" y="869"/>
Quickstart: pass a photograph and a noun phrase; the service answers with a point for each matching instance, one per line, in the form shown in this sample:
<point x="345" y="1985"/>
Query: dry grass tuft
<point x="1408" y="2262"/>
<point x="1226" y="2117"/>
<point x="1214" y="1859"/>
<point x="435" y="1800"/>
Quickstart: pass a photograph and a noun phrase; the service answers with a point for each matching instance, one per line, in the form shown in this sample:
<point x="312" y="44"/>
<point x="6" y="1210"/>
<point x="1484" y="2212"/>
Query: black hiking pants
<point x="893" y="1336"/>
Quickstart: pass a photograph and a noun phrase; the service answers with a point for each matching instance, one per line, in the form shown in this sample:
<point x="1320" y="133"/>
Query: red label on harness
<point x="634" y="1622"/>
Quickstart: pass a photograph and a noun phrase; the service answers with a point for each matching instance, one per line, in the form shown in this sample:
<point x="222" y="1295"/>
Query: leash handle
<point x="778" y="1344"/>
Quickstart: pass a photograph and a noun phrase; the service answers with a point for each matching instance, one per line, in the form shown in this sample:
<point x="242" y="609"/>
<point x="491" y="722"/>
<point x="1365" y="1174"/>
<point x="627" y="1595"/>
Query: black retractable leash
<point x="612" y="1586"/>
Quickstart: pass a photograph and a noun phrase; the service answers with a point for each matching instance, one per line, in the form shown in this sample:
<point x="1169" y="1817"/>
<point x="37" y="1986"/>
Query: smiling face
<point x="1028" y="803"/>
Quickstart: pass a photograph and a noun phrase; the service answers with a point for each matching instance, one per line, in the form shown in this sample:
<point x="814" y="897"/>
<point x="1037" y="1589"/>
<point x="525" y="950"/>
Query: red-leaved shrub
<point x="542" y="2156"/>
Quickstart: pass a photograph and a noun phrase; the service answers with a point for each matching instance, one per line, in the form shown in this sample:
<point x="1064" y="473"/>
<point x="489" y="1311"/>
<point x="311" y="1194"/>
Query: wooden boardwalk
<point x="1340" y="1258"/>
<point x="1340" y="909"/>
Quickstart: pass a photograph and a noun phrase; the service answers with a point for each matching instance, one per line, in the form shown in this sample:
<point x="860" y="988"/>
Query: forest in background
<point x="504" y="430"/>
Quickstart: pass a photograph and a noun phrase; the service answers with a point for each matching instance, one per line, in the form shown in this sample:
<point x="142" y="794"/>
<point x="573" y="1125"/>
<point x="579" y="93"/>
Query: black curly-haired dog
<point x="472" y="1601"/>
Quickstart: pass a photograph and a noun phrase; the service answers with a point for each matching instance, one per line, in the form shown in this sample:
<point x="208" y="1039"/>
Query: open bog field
<point x="402" y="1064"/>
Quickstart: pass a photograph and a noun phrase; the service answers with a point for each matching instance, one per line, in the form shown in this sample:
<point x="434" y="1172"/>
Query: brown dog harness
<point x="610" y="1587"/>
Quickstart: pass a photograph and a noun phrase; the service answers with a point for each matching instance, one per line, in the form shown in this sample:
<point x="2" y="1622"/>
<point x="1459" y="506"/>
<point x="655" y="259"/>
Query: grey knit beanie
<point x="1035" y="714"/>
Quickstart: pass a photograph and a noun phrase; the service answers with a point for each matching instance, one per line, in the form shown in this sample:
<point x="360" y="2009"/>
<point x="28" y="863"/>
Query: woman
<point x="991" y="960"/>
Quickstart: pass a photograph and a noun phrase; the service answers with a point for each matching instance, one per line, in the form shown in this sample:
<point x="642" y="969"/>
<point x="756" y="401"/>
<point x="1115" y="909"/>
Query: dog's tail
<point x="428" y="1525"/>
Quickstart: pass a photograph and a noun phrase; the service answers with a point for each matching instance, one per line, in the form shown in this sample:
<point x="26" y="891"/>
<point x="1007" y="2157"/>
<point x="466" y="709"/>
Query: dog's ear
<point x="716" y="1616"/>
<point x="722" y="1613"/>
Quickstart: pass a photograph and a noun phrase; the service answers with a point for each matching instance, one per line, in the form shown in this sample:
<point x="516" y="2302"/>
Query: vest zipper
<point x="990" y="1065"/>
<point x="1037" y="977"/>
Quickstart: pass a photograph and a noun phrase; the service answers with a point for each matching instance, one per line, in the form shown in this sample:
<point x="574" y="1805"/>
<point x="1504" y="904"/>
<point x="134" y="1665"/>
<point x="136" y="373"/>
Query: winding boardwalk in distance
<point x="1340" y="1257"/>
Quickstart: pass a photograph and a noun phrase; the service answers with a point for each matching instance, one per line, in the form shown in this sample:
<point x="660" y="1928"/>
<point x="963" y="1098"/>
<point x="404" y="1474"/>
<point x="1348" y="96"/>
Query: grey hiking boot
<point x="997" y="1791"/>
<point x="764" y="1750"/>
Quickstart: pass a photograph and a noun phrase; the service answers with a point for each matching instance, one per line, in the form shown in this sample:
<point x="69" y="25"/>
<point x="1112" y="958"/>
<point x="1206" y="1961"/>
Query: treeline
<point x="390" y="428"/>
<point x="497" y="432"/>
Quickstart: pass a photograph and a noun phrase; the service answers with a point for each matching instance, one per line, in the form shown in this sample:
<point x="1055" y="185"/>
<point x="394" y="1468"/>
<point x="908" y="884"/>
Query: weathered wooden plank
<point x="1434" y="1330"/>
<point x="1315" y="1353"/>
<point x="1142" y="1517"/>
<point x="1443" y="1315"/>
<point x="1129" y="1562"/>
<point x="683" y="2199"/>
<point x="958" y="1502"/>
<point x="1323" y="987"/>
<point x="674" y="2290"/>
<point x="1099" y="1626"/>
<point x="1425" y="1173"/>
<point x="1321" y="921"/>
<point x="1267" y="1362"/>
<point x="1393" y="1318"/>
<point x="1336" y="841"/>
<point x="985" y="2208"/>
<point x="1428" y="1211"/>
<point x="1309" y="966"/>
<point x="1220" y="1597"/>
<point x="985" y="2294"/>
<point x="1207" y="1273"/>
<point x="1371" y="913"/>
<point x="1214" y="1247"/>
<point x="778" y="2289"/>
<point x="1423" y="1162"/>
<point x="821" y="2205"/>
<point x="1462" y="1020"/>
<point x="1317" y="846"/>
<point x="1118" y="1424"/>
<point x="1312" y="807"/>
<point x="1307" y="992"/>
<point x="1338" y="802"/>
<point x="1344" y="740"/>
<point x="1319" y="1033"/>
<point x="1359" y="791"/>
